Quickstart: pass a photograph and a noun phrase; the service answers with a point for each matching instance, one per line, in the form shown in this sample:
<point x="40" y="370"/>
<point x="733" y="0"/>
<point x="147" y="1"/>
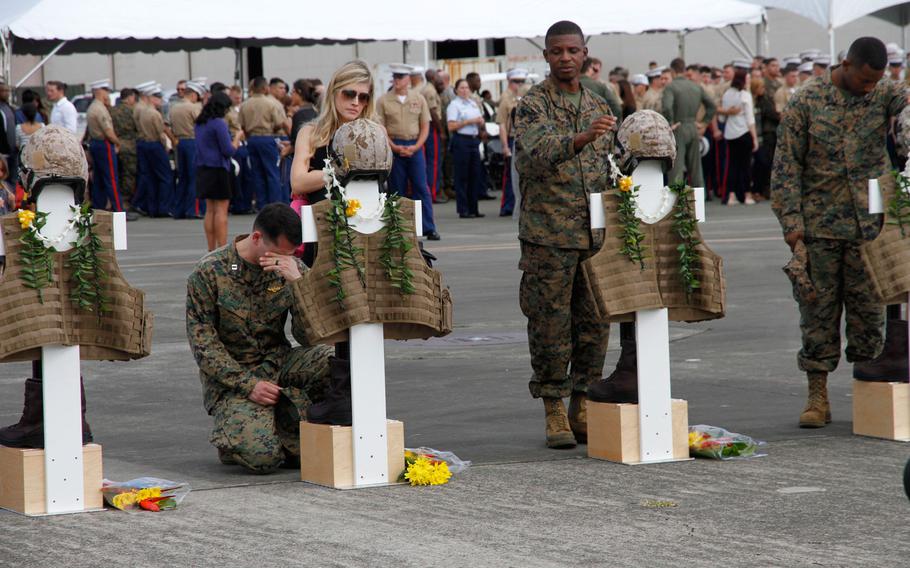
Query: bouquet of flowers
<point x="426" y="466"/>
<point x="145" y="493"/>
<point x="717" y="443"/>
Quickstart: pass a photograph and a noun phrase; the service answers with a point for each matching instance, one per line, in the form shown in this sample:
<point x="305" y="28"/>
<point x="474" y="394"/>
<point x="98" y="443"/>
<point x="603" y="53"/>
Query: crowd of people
<point x="157" y="157"/>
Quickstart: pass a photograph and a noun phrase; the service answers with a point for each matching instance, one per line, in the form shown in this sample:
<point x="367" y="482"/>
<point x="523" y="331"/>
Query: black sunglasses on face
<point x="351" y="94"/>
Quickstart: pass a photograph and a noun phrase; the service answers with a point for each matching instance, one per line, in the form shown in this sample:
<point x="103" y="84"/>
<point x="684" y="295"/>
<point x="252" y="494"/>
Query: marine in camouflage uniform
<point x="235" y="319"/>
<point x="830" y="143"/>
<point x="567" y="343"/>
<point x="125" y="128"/>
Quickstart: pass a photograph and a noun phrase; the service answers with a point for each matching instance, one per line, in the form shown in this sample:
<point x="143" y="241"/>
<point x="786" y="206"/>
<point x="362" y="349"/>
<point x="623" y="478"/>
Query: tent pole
<point x="238" y="63"/>
<point x="41" y="63"/>
<point x="113" y="72"/>
<point x="681" y="41"/>
<point x="426" y="54"/>
<point x="742" y="41"/>
<point x="6" y="62"/>
<point x="733" y="43"/>
<point x="831" y="40"/>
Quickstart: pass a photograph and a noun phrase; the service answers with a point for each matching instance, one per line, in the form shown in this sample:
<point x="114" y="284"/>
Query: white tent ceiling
<point x="107" y="25"/>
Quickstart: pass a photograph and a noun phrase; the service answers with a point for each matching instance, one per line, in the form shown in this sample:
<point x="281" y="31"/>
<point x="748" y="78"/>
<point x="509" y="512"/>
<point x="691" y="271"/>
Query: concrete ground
<point x="819" y="498"/>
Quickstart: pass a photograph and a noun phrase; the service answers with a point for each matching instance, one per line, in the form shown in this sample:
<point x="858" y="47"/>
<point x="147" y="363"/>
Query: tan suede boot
<point x="578" y="416"/>
<point x="559" y="433"/>
<point x="818" y="410"/>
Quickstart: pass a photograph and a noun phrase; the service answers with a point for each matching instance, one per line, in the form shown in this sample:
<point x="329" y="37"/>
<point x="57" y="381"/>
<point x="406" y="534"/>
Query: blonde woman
<point x="349" y="96"/>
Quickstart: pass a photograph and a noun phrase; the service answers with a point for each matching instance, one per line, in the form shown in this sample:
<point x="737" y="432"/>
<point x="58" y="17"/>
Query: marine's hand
<point x="286" y="266"/>
<point x="265" y="393"/>
<point x="792" y="238"/>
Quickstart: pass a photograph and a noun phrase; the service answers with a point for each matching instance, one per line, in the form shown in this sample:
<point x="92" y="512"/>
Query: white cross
<point x="368" y="401"/>
<point x="652" y="336"/>
<point x="63" y="465"/>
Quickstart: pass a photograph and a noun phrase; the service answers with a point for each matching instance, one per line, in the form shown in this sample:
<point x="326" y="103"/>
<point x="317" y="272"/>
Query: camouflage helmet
<point x="645" y="135"/>
<point x="53" y="154"/>
<point x="360" y="148"/>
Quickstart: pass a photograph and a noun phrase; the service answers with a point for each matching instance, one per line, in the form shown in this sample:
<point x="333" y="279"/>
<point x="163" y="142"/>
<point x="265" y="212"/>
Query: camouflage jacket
<point x="124" y="125"/>
<point x="555" y="181"/>
<point x="235" y="319"/>
<point x="829" y="145"/>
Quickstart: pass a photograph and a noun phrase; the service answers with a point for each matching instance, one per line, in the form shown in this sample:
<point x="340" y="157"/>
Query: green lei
<point x="899" y="205"/>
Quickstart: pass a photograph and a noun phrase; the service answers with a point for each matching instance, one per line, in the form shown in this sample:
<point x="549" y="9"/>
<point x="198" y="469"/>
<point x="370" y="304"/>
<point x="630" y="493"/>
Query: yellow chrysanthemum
<point x="625" y="183"/>
<point x="25" y="218"/>
<point x="124" y="500"/>
<point x="441" y="473"/>
<point x="425" y="472"/>
<point x="352" y="206"/>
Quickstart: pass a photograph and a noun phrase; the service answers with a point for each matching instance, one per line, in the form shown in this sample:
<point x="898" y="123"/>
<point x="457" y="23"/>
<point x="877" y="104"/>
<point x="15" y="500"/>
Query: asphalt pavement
<point x="819" y="498"/>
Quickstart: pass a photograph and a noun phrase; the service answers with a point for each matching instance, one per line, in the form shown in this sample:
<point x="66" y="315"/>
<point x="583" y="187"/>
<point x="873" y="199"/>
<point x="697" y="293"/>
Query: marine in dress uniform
<point x="263" y="121"/>
<point x="183" y="124"/>
<point x="406" y="117"/>
<point x="155" y="178"/>
<point x="104" y="146"/>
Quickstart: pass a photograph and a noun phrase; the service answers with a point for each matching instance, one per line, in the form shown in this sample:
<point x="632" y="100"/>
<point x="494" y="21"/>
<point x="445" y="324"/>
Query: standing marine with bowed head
<point x="563" y="135"/>
<point x="831" y="142"/>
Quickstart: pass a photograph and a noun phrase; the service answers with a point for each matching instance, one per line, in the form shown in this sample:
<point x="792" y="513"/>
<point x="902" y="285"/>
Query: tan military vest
<point x="425" y="313"/>
<point x="619" y="287"/>
<point x="887" y="258"/>
<point x="26" y="324"/>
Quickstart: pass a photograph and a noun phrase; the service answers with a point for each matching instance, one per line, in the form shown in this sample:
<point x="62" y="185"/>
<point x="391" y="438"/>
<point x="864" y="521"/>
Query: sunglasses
<point x="351" y="94"/>
<point x="517" y="81"/>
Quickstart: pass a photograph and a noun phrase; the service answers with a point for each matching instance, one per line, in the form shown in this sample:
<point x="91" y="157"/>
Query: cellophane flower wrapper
<point x="720" y="444"/>
<point x="455" y="465"/>
<point x="123" y="494"/>
<point x="426" y="466"/>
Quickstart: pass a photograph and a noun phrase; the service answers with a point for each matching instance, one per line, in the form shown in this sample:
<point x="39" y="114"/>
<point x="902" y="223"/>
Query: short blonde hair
<point x="351" y="73"/>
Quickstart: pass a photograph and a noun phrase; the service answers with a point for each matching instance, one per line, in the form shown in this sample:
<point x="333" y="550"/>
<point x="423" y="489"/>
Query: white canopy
<point x="829" y="14"/>
<point x="37" y="25"/>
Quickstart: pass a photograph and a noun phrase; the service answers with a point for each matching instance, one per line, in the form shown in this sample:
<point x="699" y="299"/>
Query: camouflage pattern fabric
<point x="840" y="281"/>
<point x="903" y="132"/>
<point x="125" y="128"/>
<point x="563" y="332"/>
<point x="829" y="145"/>
<point x="680" y="103"/>
<point x="644" y="135"/>
<point x="260" y="437"/>
<point x="235" y="319"/>
<point x="361" y="146"/>
<point x="54" y="151"/>
<point x="555" y="180"/>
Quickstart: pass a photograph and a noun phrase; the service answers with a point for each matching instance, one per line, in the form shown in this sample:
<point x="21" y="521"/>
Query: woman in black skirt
<point x="214" y="149"/>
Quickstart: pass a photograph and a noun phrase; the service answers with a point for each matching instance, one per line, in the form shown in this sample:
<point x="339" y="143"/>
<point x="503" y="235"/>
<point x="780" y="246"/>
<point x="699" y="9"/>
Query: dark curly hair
<point x="217" y="107"/>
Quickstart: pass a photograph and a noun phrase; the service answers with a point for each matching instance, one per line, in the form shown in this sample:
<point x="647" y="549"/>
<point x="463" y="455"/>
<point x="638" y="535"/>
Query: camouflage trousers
<point x="126" y="160"/>
<point x="688" y="156"/>
<point x="258" y="437"/>
<point x="841" y="282"/>
<point x="567" y="343"/>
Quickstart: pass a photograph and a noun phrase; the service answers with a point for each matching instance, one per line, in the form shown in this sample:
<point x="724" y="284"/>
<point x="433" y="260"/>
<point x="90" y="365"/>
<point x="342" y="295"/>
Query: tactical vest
<point x="27" y="324"/>
<point x="618" y="287"/>
<point x="425" y="313"/>
<point x="887" y="258"/>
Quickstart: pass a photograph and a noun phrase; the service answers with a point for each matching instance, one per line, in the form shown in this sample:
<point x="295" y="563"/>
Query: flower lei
<point x="899" y="205"/>
<point x="684" y="225"/>
<point x="38" y="264"/>
<point x="345" y="255"/>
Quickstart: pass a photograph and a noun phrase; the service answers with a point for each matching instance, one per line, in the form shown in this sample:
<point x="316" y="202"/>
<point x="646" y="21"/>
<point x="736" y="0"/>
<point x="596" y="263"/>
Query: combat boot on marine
<point x="578" y="416"/>
<point x="891" y="364"/>
<point x="29" y="431"/>
<point x="622" y="384"/>
<point x="559" y="433"/>
<point x="335" y="408"/>
<point x="818" y="410"/>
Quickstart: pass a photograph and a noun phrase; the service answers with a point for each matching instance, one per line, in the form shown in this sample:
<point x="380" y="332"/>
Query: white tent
<point x="829" y="14"/>
<point x="49" y="26"/>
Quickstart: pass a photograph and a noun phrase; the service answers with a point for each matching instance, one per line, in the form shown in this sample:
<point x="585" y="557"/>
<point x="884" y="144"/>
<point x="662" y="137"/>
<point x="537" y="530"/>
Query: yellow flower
<point x="352" y="206"/>
<point x="25" y="218"/>
<point x="441" y="474"/>
<point x="124" y="500"/>
<point x="625" y="183"/>
<point x="425" y="472"/>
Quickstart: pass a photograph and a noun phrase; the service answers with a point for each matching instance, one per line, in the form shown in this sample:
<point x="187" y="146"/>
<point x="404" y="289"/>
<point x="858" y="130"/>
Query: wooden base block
<point x="327" y="454"/>
<point x="882" y="410"/>
<point x="22" y="479"/>
<point x="613" y="431"/>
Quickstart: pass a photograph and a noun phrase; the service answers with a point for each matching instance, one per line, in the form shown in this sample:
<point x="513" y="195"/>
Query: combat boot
<point x="335" y="408"/>
<point x="622" y="384"/>
<point x="578" y="416"/>
<point x="818" y="410"/>
<point x="891" y="364"/>
<point x="29" y="432"/>
<point x="559" y="433"/>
